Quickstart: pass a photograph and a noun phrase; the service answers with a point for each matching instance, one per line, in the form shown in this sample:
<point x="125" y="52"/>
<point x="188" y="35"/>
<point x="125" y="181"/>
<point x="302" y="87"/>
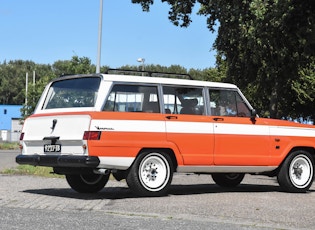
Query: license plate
<point x="52" y="148"/>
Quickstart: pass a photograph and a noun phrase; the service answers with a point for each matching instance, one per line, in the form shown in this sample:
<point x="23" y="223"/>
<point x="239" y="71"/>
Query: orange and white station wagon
<point x="145" y="129"/>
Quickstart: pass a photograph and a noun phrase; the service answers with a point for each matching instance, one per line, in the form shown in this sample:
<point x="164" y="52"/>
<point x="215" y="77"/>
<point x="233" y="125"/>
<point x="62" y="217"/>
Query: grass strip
<point x="9" y="145"/>
<point x="32" y="170"/>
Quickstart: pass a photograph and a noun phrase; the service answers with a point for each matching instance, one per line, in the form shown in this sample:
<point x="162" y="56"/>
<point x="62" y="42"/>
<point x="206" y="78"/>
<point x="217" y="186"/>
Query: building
<point x="10" y="122"/>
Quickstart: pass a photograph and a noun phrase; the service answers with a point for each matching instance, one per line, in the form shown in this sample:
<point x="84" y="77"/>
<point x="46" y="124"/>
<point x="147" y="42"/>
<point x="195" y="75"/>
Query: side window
<point x="133" y="98"/>
<point x="183" y="100"/>
<point x="227" y="103"/>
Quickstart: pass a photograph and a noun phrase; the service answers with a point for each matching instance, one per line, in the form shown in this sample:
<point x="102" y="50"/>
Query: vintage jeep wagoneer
<point x="144" y="129"/>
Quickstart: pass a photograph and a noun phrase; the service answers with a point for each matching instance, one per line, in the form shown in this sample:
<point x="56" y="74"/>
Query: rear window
<point x="69" y="93"/>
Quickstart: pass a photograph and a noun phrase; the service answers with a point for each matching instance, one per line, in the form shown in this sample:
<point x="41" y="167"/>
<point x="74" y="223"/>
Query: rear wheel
<point x="151" y="174"/>
<point x="228" y="179"/>
<point x="87" y="183"/>
<point x="297" y="172"/>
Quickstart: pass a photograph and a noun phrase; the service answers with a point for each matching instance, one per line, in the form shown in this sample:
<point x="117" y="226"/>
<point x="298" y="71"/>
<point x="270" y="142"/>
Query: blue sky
<point x="45" y="31"/>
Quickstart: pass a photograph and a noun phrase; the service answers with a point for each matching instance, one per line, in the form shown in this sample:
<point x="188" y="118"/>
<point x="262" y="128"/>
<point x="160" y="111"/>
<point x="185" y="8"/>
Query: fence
<point x="9" y="136"/>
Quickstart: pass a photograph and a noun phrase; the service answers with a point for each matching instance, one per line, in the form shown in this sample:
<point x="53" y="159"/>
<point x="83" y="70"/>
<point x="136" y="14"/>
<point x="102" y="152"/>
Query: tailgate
<point x="55" y="134"/>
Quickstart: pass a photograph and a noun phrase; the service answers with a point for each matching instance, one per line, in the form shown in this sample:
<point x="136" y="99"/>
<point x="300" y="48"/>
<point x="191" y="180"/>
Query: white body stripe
<point x="241" y="129"/>
<point x="189" y="127"/>
<point x="128" y="125"/>
<point x="292" y="131"/>
<point x="198" y="128"/>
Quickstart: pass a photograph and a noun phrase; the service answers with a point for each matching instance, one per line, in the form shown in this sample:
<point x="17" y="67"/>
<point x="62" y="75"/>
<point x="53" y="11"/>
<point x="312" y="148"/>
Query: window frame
<point x="161" y="100"/>
<point x="72" y="92"/>
<point x="236" y="92"/>
<point x="103" y="108"/>
<point x="203" y="94"/>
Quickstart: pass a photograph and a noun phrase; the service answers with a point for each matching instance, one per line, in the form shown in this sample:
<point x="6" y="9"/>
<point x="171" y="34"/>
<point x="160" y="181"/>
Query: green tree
<point x="77" y="65"/>
<point x="265" y="44"/>
<point x="12" y="81"/>
<point x="34" y="93"/>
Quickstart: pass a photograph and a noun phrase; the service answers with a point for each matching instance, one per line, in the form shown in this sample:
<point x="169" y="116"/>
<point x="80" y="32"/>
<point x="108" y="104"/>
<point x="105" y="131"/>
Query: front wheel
<point x="297" y="172"/>
<point x="87" y="183"/>
<point x="151" y="174"/>
<point x="228" y="180"/>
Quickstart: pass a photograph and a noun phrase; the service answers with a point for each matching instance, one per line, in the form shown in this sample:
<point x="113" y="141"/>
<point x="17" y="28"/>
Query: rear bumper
<point x="58" y="160"/>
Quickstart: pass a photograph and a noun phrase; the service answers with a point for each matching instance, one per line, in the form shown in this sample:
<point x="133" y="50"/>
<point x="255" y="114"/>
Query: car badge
<point x="54" y="122"/>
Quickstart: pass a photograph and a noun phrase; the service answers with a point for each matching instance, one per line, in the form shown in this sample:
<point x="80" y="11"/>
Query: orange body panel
<point x="196" y="149"/>
<point x="241" y="150"/>
<point x="126" y="144"/>
<point x="228" y="141"/>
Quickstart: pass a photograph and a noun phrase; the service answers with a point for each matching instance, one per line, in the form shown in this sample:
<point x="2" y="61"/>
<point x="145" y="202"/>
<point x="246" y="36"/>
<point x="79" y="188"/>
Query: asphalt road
<point x="7" y="159"/>
<point x="194" y="202"/>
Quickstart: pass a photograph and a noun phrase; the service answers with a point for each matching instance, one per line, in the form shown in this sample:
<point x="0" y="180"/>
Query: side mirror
<point x="253" y="115"/>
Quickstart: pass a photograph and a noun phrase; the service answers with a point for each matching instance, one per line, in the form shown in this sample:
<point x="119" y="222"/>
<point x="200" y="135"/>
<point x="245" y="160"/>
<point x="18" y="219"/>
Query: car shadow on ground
<point x="114" y="193"/>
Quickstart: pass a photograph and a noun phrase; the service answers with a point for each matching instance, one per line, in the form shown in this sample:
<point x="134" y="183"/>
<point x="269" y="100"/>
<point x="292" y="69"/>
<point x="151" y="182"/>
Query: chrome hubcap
<point x="154" y="172"/>
<point x="301" y="171"/>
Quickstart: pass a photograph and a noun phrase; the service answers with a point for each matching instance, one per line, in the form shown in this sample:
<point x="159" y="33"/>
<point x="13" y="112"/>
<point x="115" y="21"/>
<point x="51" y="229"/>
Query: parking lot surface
<point x="194" y="202"/>
<point x="191" y="198"/>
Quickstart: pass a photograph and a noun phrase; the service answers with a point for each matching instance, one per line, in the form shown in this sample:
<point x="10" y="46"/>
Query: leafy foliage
<point x="77" y="65"/>
<point x="12" y="78"/>
<point x="268" y="47"/>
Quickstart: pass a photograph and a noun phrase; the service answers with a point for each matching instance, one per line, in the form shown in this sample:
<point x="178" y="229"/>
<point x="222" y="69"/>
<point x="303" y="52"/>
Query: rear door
<point x="131" y="120"/>
<point x="186" y="124"/>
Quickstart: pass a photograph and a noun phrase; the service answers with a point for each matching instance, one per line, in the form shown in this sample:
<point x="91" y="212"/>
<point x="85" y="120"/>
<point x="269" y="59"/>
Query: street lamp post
<point x="98" y="63"/>
<point x="142" y="61"/>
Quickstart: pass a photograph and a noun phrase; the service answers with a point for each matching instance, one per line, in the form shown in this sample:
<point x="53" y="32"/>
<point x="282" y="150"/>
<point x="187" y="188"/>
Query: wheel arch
<point x="168" y="151"/>
<point x="310" y="150"/>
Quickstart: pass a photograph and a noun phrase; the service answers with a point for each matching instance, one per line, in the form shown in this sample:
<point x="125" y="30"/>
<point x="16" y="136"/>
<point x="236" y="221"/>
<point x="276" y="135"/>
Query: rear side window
<point x="183" y="100"/>
<point x="69" y="93"/>
<point x="133" y="98"/>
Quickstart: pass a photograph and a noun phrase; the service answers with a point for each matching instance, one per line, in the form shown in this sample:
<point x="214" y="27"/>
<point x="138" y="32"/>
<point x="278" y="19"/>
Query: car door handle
<point x="171" y="117"/>
<point x="218" y="119"/>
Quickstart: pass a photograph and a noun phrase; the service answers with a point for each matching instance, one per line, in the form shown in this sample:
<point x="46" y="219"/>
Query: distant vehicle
<point x="144" y="129"/>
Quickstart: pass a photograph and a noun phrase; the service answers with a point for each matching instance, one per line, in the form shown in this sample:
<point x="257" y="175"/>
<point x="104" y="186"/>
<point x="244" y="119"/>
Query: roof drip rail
<point x="65" y="74"/>
<point x="148" y="73"/>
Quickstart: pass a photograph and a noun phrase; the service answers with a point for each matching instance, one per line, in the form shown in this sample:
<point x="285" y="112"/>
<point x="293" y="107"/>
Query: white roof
<point x="175" y="81"/>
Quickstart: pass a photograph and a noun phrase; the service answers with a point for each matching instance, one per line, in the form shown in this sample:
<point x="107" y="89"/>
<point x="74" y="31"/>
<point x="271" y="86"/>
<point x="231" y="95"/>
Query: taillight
<point x="92" y="135"/>
<point x="21" y="136"/>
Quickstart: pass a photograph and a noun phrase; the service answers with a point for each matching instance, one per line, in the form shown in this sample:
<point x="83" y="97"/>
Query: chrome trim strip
<point x="121" y="163"/>
<point x="225" y="169"/>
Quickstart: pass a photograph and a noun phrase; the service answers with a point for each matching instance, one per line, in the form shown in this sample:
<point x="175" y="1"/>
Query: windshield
<point x="69" y="93"/>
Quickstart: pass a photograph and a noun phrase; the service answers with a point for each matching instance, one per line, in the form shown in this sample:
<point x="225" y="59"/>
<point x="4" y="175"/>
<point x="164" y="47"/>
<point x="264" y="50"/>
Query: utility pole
<point x="26" y="88"/>
<point x="34" y="78"/>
